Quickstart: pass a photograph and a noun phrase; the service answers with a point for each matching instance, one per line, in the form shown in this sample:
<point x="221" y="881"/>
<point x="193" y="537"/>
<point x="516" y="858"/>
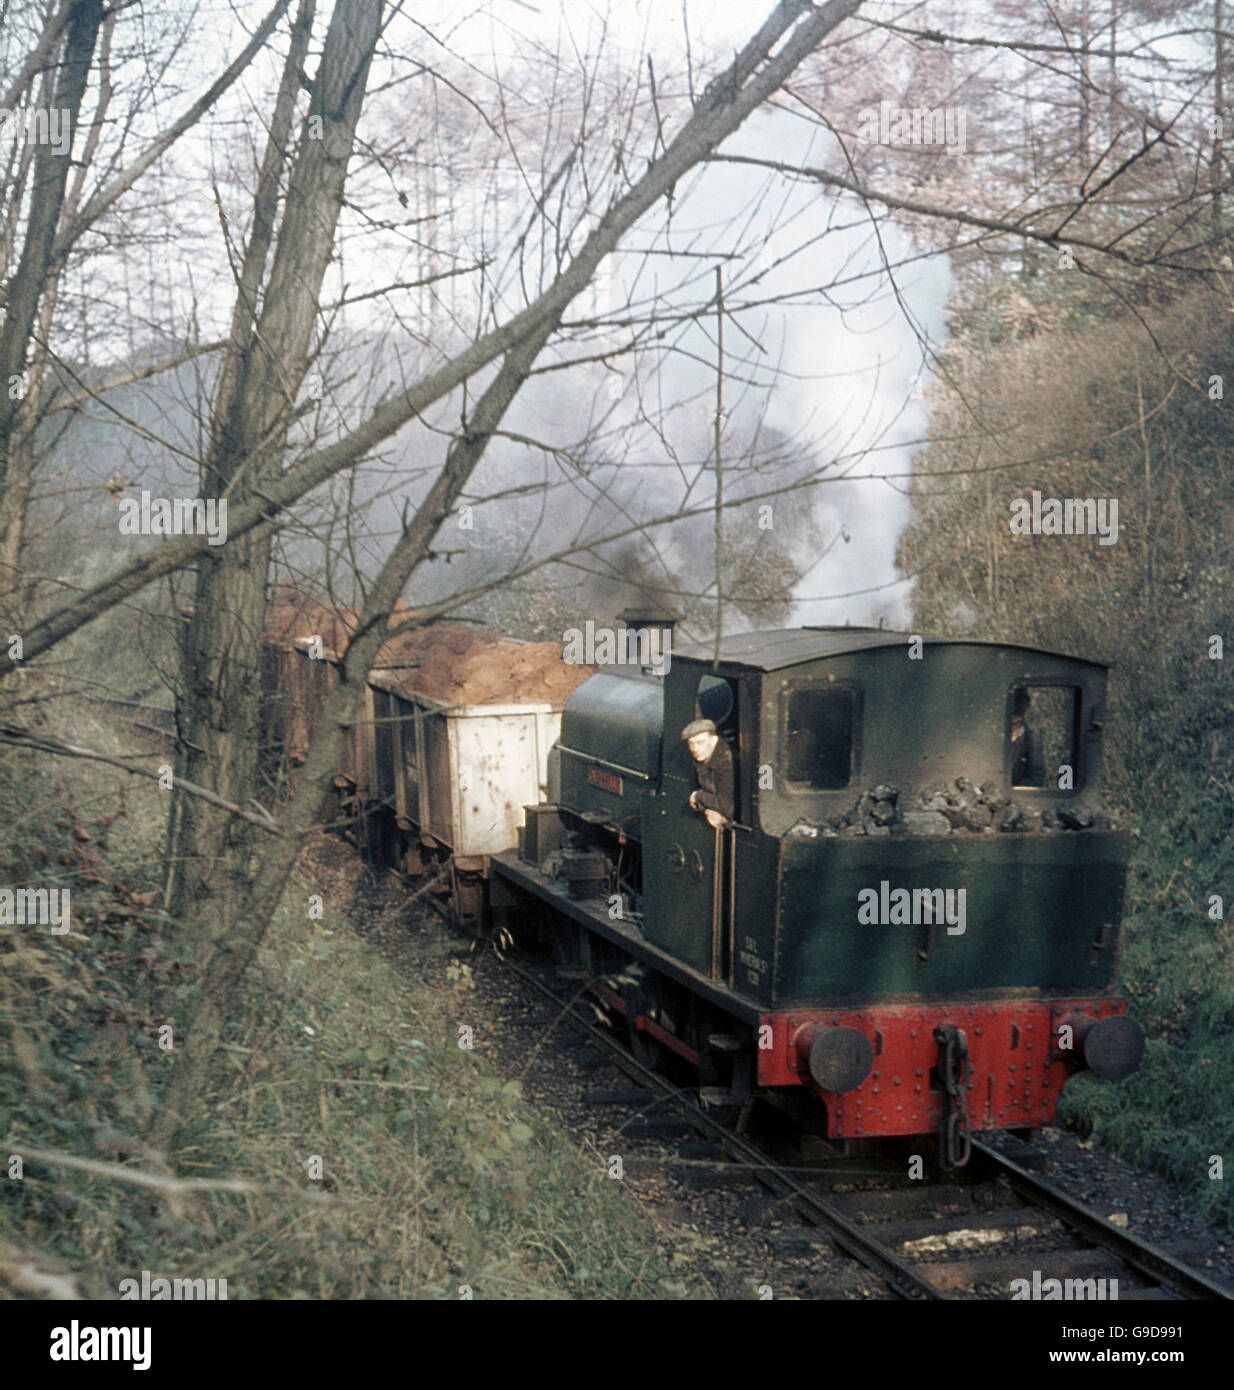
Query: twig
<point x="44" y="743"/>
<point x="159" y="1182"/>
<point x="21" y="1273"/>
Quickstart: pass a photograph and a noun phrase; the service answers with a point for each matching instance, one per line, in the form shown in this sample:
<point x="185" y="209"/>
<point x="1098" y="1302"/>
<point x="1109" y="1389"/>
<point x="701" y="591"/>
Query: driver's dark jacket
<point x="715" y="781"/>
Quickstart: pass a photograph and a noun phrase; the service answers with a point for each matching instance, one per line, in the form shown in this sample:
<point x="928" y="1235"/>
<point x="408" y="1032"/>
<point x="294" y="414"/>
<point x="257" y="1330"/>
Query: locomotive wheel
<point x="566" y="947"/>
<point x="646" y="1051"/>
<point x="730" y="1116"/>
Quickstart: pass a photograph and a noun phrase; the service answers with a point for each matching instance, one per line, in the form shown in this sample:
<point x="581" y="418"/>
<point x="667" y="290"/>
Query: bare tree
<point x="231" y="638"/>
<point x="47" y="216"/>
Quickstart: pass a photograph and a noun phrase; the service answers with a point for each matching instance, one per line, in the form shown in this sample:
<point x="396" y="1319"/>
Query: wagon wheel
<point x="466" y="901"/>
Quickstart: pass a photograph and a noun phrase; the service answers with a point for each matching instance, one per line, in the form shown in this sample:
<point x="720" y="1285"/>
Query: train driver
<point x="1027" y="757"/>
<point x="713" y="766"/>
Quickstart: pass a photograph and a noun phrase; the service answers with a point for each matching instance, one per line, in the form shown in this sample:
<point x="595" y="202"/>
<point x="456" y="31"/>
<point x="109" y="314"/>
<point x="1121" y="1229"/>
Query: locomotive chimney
<point x="641" y="618"/>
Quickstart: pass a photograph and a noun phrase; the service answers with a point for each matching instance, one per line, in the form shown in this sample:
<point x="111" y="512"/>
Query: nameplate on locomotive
<point x="605" y="780"/>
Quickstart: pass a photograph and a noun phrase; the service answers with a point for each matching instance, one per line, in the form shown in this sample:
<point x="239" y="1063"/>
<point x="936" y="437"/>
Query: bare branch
<point x="123" y="181"/>
<point x="161" y="1182"/>
<point x="43" y="743"/>
<point x="968" y="219"/>
<point x="721" y="109"/>
<point x="127" y="378"/>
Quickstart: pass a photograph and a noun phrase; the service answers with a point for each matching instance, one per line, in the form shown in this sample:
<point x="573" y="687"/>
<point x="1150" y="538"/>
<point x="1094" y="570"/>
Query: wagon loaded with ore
<point x="451" y="742"/>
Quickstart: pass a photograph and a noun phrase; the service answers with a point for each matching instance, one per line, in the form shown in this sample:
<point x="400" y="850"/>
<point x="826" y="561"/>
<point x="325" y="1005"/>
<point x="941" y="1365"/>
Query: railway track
<point x="965" y="1236"/>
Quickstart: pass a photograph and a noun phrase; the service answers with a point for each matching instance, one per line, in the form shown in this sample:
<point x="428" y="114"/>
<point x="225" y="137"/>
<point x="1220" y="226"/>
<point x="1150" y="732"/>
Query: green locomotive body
<point x="896" y="893"/>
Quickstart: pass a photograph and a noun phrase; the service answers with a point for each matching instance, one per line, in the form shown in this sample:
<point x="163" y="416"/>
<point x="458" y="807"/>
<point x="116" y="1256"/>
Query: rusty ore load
<point x="451" y="662"/>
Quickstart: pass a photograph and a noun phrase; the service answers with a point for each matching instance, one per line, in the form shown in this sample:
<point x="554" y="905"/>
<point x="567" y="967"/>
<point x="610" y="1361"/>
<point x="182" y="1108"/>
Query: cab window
<point x="1042" y="734"/>
<point x="819" y="739"/>
<point x="717" y="701"/>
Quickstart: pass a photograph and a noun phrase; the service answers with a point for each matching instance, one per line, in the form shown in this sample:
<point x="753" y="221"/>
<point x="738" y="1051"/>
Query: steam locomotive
<point x="895" y="932"/>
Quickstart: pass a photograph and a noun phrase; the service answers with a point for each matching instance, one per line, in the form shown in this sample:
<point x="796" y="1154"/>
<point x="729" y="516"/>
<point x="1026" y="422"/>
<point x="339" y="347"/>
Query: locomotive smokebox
<point x="839" y="1058"/>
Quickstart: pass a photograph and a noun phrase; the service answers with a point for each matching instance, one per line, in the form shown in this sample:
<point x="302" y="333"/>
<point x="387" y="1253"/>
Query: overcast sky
<point x="848" y="366"/>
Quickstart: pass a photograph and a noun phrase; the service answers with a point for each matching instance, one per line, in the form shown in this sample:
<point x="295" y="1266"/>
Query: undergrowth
<point x="1176" y="1113"/>
<point x="384" y="1161"/>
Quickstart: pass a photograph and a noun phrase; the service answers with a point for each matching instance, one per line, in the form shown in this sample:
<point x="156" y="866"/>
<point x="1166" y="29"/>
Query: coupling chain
<point x="954" y="1140"/>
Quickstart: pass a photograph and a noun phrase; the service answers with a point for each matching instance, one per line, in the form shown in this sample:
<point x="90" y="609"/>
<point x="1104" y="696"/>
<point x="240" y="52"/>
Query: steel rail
<point x="1143" y="1256"/>
<point x="899" y="1277"/>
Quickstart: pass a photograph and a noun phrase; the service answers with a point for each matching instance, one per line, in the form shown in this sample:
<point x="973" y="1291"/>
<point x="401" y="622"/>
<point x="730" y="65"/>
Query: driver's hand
<point x="692" y="801"/>
<point x="714" y="818"/>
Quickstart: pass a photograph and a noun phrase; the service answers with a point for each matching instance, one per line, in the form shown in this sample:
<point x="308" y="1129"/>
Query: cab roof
<point x="777" y="648"/>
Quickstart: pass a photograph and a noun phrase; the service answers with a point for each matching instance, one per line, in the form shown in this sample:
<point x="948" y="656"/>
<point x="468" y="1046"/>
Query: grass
<point x="342" y="1081"/>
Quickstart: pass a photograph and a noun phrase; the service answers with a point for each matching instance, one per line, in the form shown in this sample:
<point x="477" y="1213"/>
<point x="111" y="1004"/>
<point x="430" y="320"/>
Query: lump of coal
<point x="878" y="806"/>
<point x="925" y="823"/>
<point x="1010" y="817"/>
<point x="977" y="817"/>
<point x="1076" y="817"/>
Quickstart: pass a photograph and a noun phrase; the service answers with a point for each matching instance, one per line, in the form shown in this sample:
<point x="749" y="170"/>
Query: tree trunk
<point x="31" y="281"/>
<point x="255" y="904"/>
<point x="208" y="854"/>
